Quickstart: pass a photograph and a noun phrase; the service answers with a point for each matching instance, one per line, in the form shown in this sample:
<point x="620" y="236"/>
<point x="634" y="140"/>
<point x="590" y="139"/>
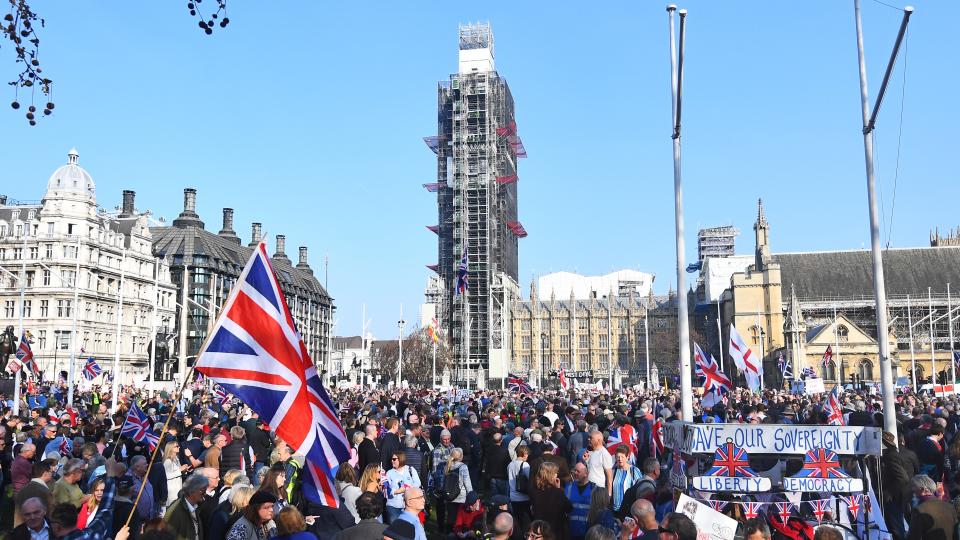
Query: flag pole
<point x="433" y="376"/>
<point x="153" y="326"/>
<point x="683" y="330"/>
<point x="953" y="361"/>
<point x="933" y="347"/>
<point x="913" y="359"/>
<point x="73" y="333"/>
<point x="116" y="350"/>
<point x="23" y="331"/>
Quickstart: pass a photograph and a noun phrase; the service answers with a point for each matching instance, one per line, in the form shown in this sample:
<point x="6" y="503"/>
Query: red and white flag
<point x="746" y="361"/>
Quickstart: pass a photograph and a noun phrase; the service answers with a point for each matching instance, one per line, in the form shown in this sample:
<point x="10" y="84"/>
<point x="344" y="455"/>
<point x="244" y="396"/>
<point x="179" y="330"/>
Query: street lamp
<point x="543" y="380"/>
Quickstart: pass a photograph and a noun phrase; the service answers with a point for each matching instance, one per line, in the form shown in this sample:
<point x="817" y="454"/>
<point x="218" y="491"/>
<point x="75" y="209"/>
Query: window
<point x="622" y="323"/>
<point x="564" y="361"/>
<point x="564" y="324"/>
<point x="34" y="252"/>
<point x="31" y="277"/>
<point x="63" y="308"/>
<point x="98" y="342"/>
<point x="27" y="308"/>
<point x="69" y="277"/>
<point x="603" y="324"/>
<point x="525" y="362"/>
<point x="603" y="340"/>
<point x="3" y="253"/>
<point x="70" y="228"/>
<point x="9" y="309"/>
<point x="44" y="308"/>
<point x="564" y="341"/>
<point x="830" y="372"/>
<point x="582" y="324"/>
<point x="86" y="340"/>
<point x="19" y="229"/>
<point x="42" y="339"/>
<point x="583" y="362"/>
<point x="866" y="370"/>
<point x="70" y="251"/>
<point x="843" y="333"/>
<point x="50" y="229"/>
<point x="526" y="342"/>
<point x="48" y="250"/>
<point x="17" y="254"/>
<point x="46" y="277"/>
<point x="584" y="341"/>
<point x="525" y="324"/>
<point x="604" y="362"/>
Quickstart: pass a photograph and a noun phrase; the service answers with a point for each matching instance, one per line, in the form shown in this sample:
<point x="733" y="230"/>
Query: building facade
<point x="204" y="266"/>
<point x="800" y="303"/>
<point x="477" y="149"/>
<point x="84" y="270"/>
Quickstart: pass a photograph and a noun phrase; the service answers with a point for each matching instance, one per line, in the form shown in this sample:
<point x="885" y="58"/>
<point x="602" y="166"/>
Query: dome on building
<point x="71" y="179"/>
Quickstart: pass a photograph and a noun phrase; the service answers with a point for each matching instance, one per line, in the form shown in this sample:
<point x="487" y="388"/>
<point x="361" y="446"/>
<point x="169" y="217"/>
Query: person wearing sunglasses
<point x="677" y="526"/>
<point x="400" y="477"/>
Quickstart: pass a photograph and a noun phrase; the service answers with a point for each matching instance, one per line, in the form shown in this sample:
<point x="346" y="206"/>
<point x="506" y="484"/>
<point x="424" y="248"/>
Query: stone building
<point x="210" y="264"/>
<point x="77" y="257"/>
<point x="799" y="303"/>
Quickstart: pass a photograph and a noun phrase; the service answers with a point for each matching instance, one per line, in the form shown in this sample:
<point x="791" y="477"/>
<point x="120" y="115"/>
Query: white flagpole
<point x="720" y="336"/>
<point x="73" y="334"/>
<point x="153" y="324"/>
<point x="646" y="342"/>
<point x="760" y="335"/>
<point x="953" y="362"/>
<point x="913" y="359"/>
<point x="933" y="358"/>
<point x="116" y="353"/>
<point x="23" y="332"/>
<point x="836" y="347"/>
<point x="433" y="377"/>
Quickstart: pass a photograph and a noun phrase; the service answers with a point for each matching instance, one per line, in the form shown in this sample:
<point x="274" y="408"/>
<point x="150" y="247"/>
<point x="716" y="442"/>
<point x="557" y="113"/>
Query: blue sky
<point x="308" y="117"/>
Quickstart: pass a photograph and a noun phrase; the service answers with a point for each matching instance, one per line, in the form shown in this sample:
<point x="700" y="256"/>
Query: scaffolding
<point x="477" y="148"/>
<point x="716" y="242"/>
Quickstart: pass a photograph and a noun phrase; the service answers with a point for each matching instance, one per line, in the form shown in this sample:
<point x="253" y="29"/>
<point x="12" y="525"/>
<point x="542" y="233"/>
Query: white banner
<point x="823" y="485"/>
<point x="738" y="484"/>
<point x="711" y="525"/>
<point x="772" y="438"/>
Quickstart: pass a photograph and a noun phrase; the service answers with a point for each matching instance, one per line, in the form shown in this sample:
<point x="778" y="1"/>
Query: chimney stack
<point x="255" y="235"/>
<point x="128" y="207"/>
<point x="227" y="232"/>
<point x="281" y="248"/>
<point x="302" y="265"/>
<point x="189" y="216"/>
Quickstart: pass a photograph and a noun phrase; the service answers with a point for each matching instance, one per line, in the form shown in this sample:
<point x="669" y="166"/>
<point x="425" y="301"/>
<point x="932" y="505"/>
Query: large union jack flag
<point x="731" y="460"/>
<point x="25" y="355"/>
<point x="833" y="409"/>
<point x="139" y="427"/>
<point x="625" y="434"/>
<point x="821" y="463"/>
<point x="516" y="383"/>
<point x="714" y="380"/>
<point x="91" y="369"/>
<point x="256" y="354"/>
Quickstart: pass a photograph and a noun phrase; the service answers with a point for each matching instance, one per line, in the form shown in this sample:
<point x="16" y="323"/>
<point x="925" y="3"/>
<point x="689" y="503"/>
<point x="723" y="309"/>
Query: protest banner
<point x="738" y="484"/>
<point x="692" y="438"/>
<point x="711" y="525"/>
<point x="823" y="485"/>
<point x="813" y="386"/>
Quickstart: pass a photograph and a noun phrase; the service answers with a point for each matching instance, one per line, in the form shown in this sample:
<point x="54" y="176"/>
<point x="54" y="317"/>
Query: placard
<point x="823" y="485"/>
<point x="693" y="438"/>
<point x="711" y="525"/>
<point x="813" y="386"/>
<point x="739" y="484"/>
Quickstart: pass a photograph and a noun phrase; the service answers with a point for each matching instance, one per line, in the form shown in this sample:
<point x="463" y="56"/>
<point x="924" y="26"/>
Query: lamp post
<point x="400" y="324"/>
<point x="543" y="373"/>
<point x="56" y="346"/>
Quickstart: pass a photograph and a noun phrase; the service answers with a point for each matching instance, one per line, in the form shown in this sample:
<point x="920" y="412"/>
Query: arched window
<point x="830" y="373"/>
<point x="843" y="333"/>
<point x="866" y="370"/>
<point x="755" y="333"/>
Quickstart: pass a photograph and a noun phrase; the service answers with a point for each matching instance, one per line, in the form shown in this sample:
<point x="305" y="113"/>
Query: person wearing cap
<point x="255" y="521"/>
<point x="183" y="516"/>
<point x="441" y="453"/>
<point x="469" y="516"/>
<point x="66" y="490"/>
<point x="400" y="530"/>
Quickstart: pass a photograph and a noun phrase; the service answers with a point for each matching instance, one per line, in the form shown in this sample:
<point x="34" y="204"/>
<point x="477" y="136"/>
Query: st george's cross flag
<point x="256" y="353"/>
<point x="562" y="376"/>
<point x="746" y="361"/>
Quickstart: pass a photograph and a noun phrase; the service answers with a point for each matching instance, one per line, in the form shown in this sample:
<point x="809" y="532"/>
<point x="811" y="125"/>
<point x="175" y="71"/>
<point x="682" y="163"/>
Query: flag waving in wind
<point x="25" y="355"/>
<point x="827" y="358"/>
<point x="256" y="353"/>
<point x="714" y="380"/>
<point x="138" y="427"/>
<point x="784" y="367"/>
<point x="434" y="330"/>
<point x="745" y="360"/>
<point x="91" y="369"/>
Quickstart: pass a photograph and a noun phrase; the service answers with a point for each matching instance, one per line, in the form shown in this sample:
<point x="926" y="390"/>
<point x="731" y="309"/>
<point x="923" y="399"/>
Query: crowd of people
<point x="542" y="465"/>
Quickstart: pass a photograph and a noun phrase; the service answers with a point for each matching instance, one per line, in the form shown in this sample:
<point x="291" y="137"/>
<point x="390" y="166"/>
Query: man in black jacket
<point x="236" y="455"/>
<point x="497" y="460"/>
<point x="390" y="442"/>
<point x="367" y="452"/>
<point x="259" y="440"/>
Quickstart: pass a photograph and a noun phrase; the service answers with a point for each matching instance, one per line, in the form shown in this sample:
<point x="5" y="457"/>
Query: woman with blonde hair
<point x="89" y="509"/>
<point x="230" y="511"/>
<point x="548" y="501"/>
<point x="371" y="480"/>
<point x="231" y="478"/>
<point x="174" y="470"/>
<point x="455" y="465"/>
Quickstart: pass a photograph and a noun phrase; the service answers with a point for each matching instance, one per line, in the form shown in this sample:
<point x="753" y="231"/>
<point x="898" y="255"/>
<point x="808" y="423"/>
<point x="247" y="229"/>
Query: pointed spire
<point x="761" y="217"/>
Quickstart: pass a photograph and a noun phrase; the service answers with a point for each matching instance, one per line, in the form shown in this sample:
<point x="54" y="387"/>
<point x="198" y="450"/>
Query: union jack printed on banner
<point x="853" y="504"/>
<point x="821" y="463"/>
<point x="463" y="275"/>
<point x="256" y="354"/>
<point x="820" y="507"/>
<point x="91" y="369"/>
<point x="717" y="505"/>
<point x="783" y="510"/>
<point x="707" y="367"/>
<point x="516" y="383"/>
<point x="139" y="427"/>
<point x="751" y="508"/>
<point x="731" y="460"/>
<point x="833" y="409"/>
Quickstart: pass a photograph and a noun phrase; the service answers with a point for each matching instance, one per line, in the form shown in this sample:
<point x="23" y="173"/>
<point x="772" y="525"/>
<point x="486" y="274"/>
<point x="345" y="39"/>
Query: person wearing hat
<point x="469" y="516"/>
<point x="400" y="530"/>
<point x="123" y="506"/>
<point x="256" y="517"/>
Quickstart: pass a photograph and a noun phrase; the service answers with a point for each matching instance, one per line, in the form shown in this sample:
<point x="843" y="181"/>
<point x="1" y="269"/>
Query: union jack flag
<point x="853" y="504"/>
<point x="516" y="383"/>
<point x="707" y="367"/>
<point x="717" y="505"/>
<point x="656" y="438"/>
<point x="820" y="507"/>
<point x="956" y="359"/>
<point x="139" y="427"/>
<point x="25" y="355"/>
<point x="91" y="369"/>
<point x="618" y="435"/>
<point x="751" y="508"/>
<point x="785" y="370"/>
<point x="731" y="460"/>
<point x="833" y="409"/>
<point x="222" y="396"/>
<point x="783" y="510"/>
<point x="827" y="358"/>
<point x="65" y="447"/>
<point x="256" y="353"/>
<point x="463" y="275"/>
<point x="821" y="463"/>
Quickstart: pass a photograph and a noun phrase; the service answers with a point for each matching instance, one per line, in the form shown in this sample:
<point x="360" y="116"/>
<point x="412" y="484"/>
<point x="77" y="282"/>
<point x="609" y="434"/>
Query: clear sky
<point x="308" y="117"/>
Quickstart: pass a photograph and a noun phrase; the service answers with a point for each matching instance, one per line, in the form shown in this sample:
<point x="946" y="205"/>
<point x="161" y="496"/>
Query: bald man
<point x="643" y="516"/>
<point x="502" y="526"/>
<point x="599" y="463"/>
<point x="414" y="502"/>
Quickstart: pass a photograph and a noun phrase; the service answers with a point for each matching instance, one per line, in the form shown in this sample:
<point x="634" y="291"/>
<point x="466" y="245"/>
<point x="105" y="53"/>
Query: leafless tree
<point x="417" y="358"/>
